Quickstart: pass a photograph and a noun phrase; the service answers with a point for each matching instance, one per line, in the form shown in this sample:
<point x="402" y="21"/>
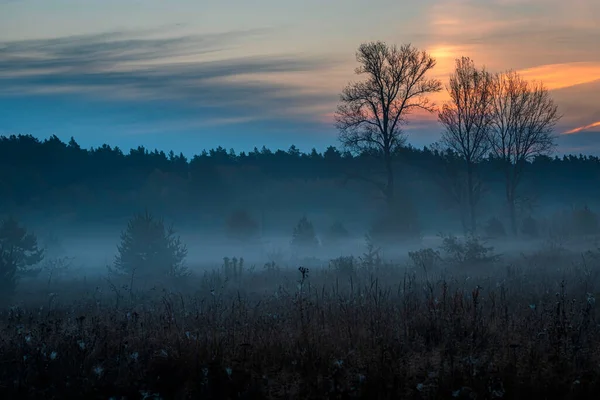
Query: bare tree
<point x="372" y="112"/>
<point x="466" y="119"/>
<point x="523" y="119"/>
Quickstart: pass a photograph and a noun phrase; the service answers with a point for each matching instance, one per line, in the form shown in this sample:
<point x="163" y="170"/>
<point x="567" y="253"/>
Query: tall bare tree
<point x="523" y="119"/>
<point x="372" y="112"/>
<point x="466" y="119"/>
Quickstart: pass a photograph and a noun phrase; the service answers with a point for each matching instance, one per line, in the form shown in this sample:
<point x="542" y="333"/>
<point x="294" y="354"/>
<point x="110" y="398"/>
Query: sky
<point x="189" y="75"/>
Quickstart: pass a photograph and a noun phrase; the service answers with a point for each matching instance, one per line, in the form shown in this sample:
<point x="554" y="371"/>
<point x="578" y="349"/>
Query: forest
<point x="52" y="182"/>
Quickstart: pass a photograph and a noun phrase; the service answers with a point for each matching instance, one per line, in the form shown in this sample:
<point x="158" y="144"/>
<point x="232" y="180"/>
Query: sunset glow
<point x="558" y="76"/>
<point x="583" y="128"/>
<point x="280" y="66"/>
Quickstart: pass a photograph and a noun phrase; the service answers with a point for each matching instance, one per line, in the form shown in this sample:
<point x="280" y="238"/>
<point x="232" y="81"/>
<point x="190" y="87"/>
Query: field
<point x="523" y="326"/>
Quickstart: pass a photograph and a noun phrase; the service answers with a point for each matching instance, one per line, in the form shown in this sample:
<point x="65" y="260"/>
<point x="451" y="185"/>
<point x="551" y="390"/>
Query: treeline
<point x="63" y="182"/>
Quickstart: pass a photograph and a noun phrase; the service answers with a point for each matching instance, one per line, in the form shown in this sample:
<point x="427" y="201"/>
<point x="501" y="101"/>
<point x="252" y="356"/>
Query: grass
<point x="521" y="329"/>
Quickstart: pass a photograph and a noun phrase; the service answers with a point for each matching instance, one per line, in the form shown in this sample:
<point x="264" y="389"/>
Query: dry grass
<point x="523" y="331"/>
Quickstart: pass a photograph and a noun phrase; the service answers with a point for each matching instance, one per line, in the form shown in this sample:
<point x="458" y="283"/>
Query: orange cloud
<point x="583" y="128"/>
<point x="558" y="76"/>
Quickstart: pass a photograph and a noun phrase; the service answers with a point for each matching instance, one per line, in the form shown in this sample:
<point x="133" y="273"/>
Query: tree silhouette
<point x="64" y="186"/>
<point x="304" y="235"/>
<point x="148" y="247"/>
<point x="523" y="119"/>
<point x="372" y="112"/>
<point x="466" y="120"/>
<point x="19" y="252"/>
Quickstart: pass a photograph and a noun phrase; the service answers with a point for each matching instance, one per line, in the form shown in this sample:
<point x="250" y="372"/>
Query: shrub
<point x="233" y="267"/>
<point x="425" y="259"/>
<point x="19" y="252"/>
<point x="304" y="235"/>
<point x="494" y="228"/>
<point x="345" y="266"/>
<point x="148" y="246"/>
<point x="371" y="258"/>
<point x="241" y="226"/>
<point x="470" y="251"/>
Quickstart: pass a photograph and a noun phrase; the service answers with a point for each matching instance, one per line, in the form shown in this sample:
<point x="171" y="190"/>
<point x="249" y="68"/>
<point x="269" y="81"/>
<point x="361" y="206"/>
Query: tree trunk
<point x="464" y="217"/>
<point x="512" y="213"/>
<point x="471" y="198"/>
<point x="510" y="201"/>
<point x="389" y="188"/>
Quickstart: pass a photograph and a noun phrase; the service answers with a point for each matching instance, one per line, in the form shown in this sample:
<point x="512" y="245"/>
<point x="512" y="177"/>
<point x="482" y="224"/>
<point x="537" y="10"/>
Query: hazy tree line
<point x="49" y="178"/>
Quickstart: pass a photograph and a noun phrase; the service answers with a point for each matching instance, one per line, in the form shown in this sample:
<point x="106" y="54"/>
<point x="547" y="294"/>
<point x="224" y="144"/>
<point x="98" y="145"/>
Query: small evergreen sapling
<point x="150" y="247"/>
<point x="19" y="252"/>
<point x="304" y="234"/>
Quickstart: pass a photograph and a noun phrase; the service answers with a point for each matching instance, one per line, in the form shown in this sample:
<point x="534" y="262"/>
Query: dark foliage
<point x="468" y="252"/>
<point x="148" y="247"/>
<point x="65" y="184"/>
<point x="304" y="235"/>
<point x="19" y="252"/>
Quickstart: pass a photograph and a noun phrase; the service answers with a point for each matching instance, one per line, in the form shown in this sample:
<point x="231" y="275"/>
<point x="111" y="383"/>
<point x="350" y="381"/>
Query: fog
<point x="335" y="285"/>
<point x="92" y="249"/>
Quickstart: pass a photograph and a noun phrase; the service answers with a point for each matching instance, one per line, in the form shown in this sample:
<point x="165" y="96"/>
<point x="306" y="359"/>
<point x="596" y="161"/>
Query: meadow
<point x="460" y="322"/>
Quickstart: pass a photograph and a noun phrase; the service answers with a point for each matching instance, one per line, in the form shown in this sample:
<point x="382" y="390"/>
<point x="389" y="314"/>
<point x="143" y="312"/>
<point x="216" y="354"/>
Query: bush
<point x="371" y="258"/>
<point x="233" y="267"/>
<point x="344" y="266"/>
<point x="304" y="235"/>
<point x="148" y="246"/>
<point x="425" y="259"/>
<point x="241" y="226"/>
<point x="494" y="228"/>
<point x="471" y="251"/>
<point x="19" y="252"/>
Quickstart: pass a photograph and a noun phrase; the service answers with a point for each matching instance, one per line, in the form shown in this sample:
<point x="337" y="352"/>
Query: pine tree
<point x="304" y="234"/>
<point x="148" y="247"/>
<point x="19" y="252"/>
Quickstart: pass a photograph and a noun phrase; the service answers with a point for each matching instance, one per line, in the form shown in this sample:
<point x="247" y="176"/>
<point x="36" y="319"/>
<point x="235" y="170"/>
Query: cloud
<point x="558" y="76"/>
<point x="515" y="34"/>
<point x="583" y="128"/>
<point x="190" y="71"/>
<point x="579" y="105"/>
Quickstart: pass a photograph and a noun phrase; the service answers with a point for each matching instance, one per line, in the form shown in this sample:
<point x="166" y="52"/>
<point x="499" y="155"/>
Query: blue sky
<point x="189" y="75"/>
